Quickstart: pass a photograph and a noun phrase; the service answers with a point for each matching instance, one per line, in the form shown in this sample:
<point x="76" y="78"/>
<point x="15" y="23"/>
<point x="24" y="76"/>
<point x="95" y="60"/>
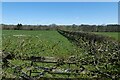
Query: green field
<point x="114" y="35"/>
<point x="25" y="43"/>
<point x="42" y="43"/>
<point x="39" y="43"/>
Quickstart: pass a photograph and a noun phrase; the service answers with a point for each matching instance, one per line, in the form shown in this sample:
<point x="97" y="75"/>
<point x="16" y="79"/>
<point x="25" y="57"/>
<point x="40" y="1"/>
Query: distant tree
<point x="74" y="25"/>
<point x="19" y="26"/>
<point x="53" y="25"/>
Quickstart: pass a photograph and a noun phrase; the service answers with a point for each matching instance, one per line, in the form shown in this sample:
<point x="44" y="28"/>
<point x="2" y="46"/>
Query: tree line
<point x="82" y="27"/>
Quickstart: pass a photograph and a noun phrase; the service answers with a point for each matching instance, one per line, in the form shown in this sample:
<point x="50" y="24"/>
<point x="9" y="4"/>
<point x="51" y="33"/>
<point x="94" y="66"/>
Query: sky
<point x="60" y="0"/>
<point x="60" y="13"/>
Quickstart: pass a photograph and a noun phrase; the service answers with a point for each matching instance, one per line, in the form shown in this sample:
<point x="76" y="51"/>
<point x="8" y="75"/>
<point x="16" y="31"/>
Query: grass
<point x="39" y="43"/>
<point x="27" y="43"/>
<point x="114" y="35"/>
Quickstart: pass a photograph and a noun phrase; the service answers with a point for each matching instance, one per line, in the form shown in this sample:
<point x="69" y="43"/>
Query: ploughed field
<point x="62" y="54"/>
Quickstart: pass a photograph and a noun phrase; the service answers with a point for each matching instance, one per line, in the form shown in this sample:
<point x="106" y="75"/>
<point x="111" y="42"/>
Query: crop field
<point x="62" y="54"/>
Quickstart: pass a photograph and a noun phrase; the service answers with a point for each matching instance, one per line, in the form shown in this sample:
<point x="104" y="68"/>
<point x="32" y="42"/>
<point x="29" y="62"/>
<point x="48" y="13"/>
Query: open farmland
<point x="62" y="54"/>
<point x="39" y="43"/>
<point x="22" y="44"/>
<point x="114" y="35"/>
<point x="60" y="40"/>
